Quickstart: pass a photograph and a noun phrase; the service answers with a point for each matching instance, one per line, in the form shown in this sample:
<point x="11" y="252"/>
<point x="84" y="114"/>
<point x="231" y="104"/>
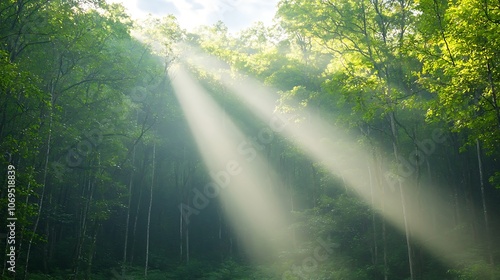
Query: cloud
<point x="236" y="14"/>
<point x="157" y="7"/>
<point x="247" y="12"/>
<point x="195" y="5"/>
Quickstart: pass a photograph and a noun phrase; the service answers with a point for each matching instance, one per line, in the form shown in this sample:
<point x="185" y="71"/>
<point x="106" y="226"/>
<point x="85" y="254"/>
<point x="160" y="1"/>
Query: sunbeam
<point x="250" y="139"/>
<point x="236" y="169"/>
<point x="342" y="157"/>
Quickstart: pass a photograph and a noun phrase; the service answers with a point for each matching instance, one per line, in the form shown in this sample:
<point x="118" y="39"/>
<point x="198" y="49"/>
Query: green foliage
<point x="160" y="34"/>
<point x="228" y="270"/>
<point x="82" y="101"/>
<point x="495" y="180"/>
<point x="459" y="66"/>
<point x="475" y="271"/>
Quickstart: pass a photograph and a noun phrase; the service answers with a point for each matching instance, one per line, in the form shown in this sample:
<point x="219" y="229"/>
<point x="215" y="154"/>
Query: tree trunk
<point x="138" y="208"/>
<point x="374" y="224"/>
<point x="127" y="223"/>
<point x="314" y="187"/>
<point x="402" y="194"/>
<point x="485" y="209"/>
<point x="149" y="213"/>
<point x="187" y="245"/>
<point x="91" y="252"/>
<point x="181" y="237"/>
<point x="83" y="224"/>
<point x="134" y="229"/>
<point x="221" y="250"/>
<point x="382" y="187"/>
<point x="44" y="183"/>
<point x="292" y="203"/>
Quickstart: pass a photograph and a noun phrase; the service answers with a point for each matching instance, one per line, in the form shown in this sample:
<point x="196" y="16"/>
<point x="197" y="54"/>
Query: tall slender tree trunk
<point x="127" y="223"/>
<point x="181" y="237"/>
<point x="149" y="212"/>
<point x="44" y="183"/>
<point x="456" y="196"/>
<point x="221" y="251"/>
<point x="81" y="229"/>
<point x="384" y="241"/>
<point x="402" y="194"/>
<point x="84" y="223"/>
<point x="382" y="187"/>
<point x="49" y="238"/>
<point x="417" y="250"/>
<point x="138" y="207"/>
<point x="183" y="177"/>
<point x="290" y="177"/>
<point x="184" y="232"/>
<point x="485" y="208"/>
<point x="314" y="186"/>
<point x="374" y="224"/>
<point x="91" y="252"/>
<point x="231" y="252"/>
<point x="187" y="244"/>
<point x="134" y="229"/>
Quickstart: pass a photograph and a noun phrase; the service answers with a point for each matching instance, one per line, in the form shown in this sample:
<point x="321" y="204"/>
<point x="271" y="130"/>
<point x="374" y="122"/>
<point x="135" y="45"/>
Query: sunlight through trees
<point x="347" y="140"/>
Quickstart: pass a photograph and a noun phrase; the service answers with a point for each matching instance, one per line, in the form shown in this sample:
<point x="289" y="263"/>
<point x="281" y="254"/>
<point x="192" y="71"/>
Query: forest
<point x="350" y="139"/>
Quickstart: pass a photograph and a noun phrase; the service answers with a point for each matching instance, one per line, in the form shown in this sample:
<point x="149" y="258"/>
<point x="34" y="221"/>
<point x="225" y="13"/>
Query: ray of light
<point x="427" y="210"/>
<point x="240" y="175"/>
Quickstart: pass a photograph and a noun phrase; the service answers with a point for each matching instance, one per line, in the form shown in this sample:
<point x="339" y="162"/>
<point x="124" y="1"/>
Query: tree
<point x="460" y="67"/>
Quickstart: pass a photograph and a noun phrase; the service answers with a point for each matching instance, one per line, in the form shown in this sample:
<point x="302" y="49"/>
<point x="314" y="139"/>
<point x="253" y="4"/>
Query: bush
<point x="476" y="271"/>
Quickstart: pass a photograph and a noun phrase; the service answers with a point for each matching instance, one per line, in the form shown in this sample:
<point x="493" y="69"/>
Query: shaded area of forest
<point x="105" y="179"/>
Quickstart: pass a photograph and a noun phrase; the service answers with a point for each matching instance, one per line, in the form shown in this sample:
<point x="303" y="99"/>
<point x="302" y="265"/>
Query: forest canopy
<point x="347" y="140"/>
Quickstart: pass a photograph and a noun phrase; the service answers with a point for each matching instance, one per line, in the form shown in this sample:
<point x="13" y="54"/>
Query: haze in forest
<point x="344" y="140"/>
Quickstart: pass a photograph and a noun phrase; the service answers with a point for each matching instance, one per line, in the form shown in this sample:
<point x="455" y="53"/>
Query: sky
<point x="236" y="14"/>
